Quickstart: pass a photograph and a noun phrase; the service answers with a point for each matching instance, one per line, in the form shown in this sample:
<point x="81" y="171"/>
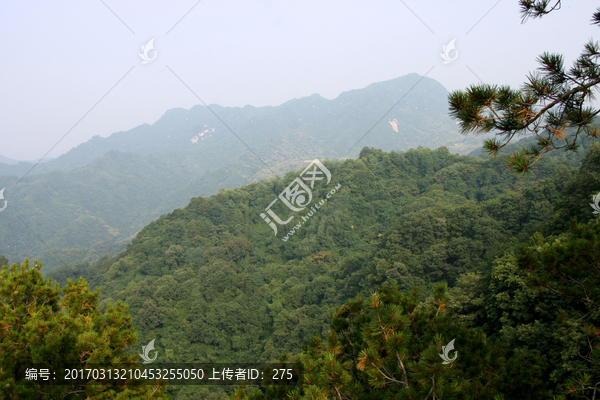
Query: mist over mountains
<point x="8" y="161"/>
<point x="339" y="123"/>
<point x="97" y="196"/>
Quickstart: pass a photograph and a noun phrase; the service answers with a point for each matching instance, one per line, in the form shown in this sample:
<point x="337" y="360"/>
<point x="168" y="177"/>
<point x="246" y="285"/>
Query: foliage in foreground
<point x="555" y="105"/>
<point x="38" y="326"/>
<point x="541" y="308"/>
<point x="389" y="346"/>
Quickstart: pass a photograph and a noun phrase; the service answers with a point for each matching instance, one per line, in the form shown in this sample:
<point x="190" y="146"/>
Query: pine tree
<point x="554" y="104"/>
<point x="388" y="347"/>
<point x="38" y="326"/>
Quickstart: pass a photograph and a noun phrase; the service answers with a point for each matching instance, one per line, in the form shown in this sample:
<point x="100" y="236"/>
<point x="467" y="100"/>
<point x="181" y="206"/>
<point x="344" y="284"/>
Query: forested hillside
<point x="94" y="198"/>
<point x="212" y="283"/>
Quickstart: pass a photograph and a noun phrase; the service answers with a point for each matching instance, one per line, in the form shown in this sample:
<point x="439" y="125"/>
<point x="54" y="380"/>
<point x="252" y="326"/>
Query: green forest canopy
<point x="213" y="284"/>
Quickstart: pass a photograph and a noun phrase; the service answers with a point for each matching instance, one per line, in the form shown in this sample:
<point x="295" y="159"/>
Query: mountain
<point x="7" y="161"/>
<point x="418" y="116"/>
<point x="99" y="194"/>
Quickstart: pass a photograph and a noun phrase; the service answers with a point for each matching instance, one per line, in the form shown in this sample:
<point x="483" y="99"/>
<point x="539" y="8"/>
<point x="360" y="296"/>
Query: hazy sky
<point x="60" y="58"/>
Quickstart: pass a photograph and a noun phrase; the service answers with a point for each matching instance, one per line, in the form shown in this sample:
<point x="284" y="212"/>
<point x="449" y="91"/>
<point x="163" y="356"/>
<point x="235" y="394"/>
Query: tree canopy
<point x="39" y="327"/>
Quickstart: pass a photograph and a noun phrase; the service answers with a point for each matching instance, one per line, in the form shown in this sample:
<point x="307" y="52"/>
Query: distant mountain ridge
<point x="421" y="116"/>
<point x="107" y="189"/>
<point x="8" y="161"/>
